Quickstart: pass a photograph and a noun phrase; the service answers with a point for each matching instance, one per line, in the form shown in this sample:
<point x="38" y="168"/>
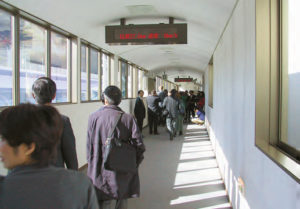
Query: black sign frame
<point x="183" y="80"/>
<point x="148" y="34"/>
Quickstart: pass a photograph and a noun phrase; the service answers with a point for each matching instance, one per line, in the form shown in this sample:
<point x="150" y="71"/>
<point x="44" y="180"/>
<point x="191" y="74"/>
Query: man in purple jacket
<point x="110" y="184"/>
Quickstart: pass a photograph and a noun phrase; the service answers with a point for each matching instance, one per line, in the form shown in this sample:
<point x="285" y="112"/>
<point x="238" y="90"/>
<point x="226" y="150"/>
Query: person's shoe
<point x="180" y="133"/>
<point x="156" y="133"/>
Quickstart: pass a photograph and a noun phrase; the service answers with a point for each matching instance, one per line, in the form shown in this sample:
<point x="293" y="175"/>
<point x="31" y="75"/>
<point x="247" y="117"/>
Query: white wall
<point x="232" y="121"/>
<point x="78" y="114"/>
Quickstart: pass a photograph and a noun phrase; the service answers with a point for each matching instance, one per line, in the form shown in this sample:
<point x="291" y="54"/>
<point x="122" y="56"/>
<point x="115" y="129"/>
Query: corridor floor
<point x="180" y="174"/>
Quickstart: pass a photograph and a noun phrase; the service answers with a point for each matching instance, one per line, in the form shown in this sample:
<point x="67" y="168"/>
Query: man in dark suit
<point x="153" y="111"/>
<point x="139" y="110"/>
<point x="44" y="91"/>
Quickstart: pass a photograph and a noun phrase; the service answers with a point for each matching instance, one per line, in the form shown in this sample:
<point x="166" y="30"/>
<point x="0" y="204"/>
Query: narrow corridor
<point x="181" y="174"/>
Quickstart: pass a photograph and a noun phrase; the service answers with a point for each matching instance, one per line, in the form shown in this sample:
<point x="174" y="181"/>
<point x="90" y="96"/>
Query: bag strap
<point x="115" y="125"/>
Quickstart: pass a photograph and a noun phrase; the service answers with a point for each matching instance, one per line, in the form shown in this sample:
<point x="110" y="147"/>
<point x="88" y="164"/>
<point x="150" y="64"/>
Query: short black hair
<point x="113" y="95"/>
<point x="173" y="92"/>
<point x="29" y="123"/>
<point x="44" y="90"/>
<point x="139" y="91"/>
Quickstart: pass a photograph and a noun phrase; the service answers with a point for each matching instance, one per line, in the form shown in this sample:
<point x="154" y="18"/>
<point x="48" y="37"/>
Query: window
<point x="129" y="81"/>
<point x="6" y="59"/>
<point x="277" y="82"/>
<point x="33" y="45"/>
<point x="105" y="71"/>
<point x="135" y="82"/>
<point x="90" y="73"/>
<point x="158" y="80"/>
<point x="124" y="67"/>
<point x="83" y="73"/>
<point x="140" y="80"/>
<point x="94" y="75"/>
<point x="145" y="84"/>
<point x="211" y="83"/>
<point x="290" y="75"/>
<point x="60" y="66"/>
<point x="38" y="52"/>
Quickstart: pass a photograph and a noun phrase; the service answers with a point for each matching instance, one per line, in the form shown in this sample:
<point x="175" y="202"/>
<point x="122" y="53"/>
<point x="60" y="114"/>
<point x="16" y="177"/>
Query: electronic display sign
<point x="183" y="79"/>
<point x="146" y="34"/>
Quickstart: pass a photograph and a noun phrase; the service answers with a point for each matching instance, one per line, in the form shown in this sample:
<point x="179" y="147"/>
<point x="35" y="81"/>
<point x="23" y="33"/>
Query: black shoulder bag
<point x="119" y="155"/>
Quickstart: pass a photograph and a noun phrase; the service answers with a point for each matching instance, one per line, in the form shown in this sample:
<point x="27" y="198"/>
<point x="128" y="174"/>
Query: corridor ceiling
<point x="206" y="20"/>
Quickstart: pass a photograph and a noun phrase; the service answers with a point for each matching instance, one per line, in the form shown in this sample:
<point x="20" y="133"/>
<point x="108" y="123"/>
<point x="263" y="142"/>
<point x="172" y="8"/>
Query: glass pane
<point x="59" y="66"/>
<point x="83" y="74"/>
<point x="123" y="77"/>
<point x="94" y="76"/>
<point x="129" y="81"/>
<point x="139" y="79"/>
<point x="6" y="78"/>
<point x="145" y="84"/>
<point x="290" y="108"/>
<point x="105" y="71"/>
<point x="32" y="57"/>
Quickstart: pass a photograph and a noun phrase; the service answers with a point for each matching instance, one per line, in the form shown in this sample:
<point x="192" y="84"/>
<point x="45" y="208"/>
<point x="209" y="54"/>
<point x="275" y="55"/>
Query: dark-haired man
<point x="44" y="91"/>
<point x="171" y="104"/>
<point x="153" y="111"/>
<point x="139" y="110"/>
<point x="111" y="184"/>
<point x="28" y="139"/>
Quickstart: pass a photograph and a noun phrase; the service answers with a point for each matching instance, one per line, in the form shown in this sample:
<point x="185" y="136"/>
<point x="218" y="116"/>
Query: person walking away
<point x="184" y="98"/>
<point x="112" y="185"/>
<point x="139" y="110"/>
<point x="44" y="91"/>
<point x="181" y="113"/>
<point x="153" y="111"/>
<point x="192" y="104"/>
<point x="187" y="110"/>
<point x="162" y="95"/>
<point x="171" y="105"/>
<point x="29" y="137"/>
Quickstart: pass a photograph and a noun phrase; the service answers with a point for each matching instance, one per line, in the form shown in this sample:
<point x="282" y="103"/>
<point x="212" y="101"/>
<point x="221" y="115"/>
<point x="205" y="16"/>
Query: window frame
<point x="126" y="78"/>
<point x="14" y="53"/>
<point x="268" y="87"/>
<point x="211" y="83"/>
<point x="69" y="63"/>
<point x="90" y="46"/>
<point x="130" y="72"/>
<point x="109" y="68"/>
<point x="17" y="14"/>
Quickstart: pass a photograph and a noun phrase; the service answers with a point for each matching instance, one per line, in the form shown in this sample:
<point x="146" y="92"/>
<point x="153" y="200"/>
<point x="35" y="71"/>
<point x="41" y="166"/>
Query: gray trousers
<point x="120" y="204"/>
<point x="171" y="125"/>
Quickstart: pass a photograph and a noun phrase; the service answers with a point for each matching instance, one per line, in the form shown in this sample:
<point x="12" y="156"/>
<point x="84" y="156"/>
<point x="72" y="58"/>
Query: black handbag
<point x="119" y="155"/>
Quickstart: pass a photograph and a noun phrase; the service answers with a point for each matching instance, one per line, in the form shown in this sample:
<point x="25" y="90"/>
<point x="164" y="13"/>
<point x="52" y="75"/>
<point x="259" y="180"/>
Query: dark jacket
<point x="66" y="150"/>
<point x="31" y="187"/>
<point x="139" y="108"/>
<point x="110" y="184"/>
<point x="153" y="104"/>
